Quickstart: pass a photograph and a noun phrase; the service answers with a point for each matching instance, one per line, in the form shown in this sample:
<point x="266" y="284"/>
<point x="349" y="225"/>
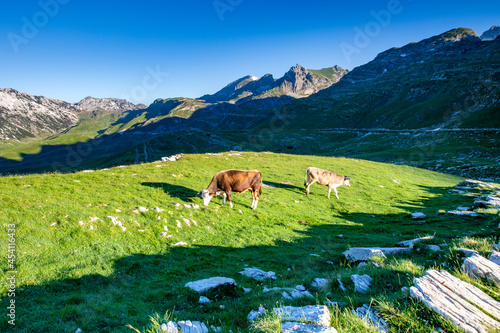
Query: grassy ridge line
<point x="74" y="276"/>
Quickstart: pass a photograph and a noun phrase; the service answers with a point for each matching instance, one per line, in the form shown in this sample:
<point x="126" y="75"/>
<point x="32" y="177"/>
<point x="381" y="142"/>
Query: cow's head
<point x="346" y="181"/>
<point x="205" y="195"/>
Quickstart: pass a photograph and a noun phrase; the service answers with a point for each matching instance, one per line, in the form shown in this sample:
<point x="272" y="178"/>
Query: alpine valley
<point x="432" y="104"/>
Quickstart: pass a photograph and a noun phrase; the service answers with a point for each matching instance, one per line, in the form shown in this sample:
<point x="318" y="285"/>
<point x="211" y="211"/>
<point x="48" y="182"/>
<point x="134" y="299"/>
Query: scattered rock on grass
<point x="463" y="213"/>
<point x="312" y="314"/>
<point x="172" y="158"/>
<point x="482" y="268"/>
<point x="204" y="299"/>
<point x="192" y="327"/>
<point x="467" y="252"/>
<point x="258" y="274"/>
<point x="495" y="257"/>
<point x="201" y="286"/>
<point x="371" y="317"/>
<point x="254" y="314"/>
<point x="180" y="244"/>
<point x="365" y="253"/>
<point x="320" y="283"/>
<point x="418" y="216"/>
<point x="433" y="248"/>
<point x="362" y="283"/>
<point x="170" y="327"/>
<point x="410" y="243"/>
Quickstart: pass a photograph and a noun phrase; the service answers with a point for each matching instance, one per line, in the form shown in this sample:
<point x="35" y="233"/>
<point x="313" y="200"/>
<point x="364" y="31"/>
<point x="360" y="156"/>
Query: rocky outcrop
<point x="297" y="82"/>
<point x="300" y="82"/>
<point x="23" y="115"/>
<point x="108" y="104"/>
<point x="491" y="33"/>
<point x="458" y="301"/>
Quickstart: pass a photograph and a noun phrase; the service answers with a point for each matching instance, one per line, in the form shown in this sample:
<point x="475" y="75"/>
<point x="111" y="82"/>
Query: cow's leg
<point x="308" y="184"/>
<point x="256" y="202"/>
<point x="228" y="193"/>
<point x="329" y="191"/>
<point x="224" y="199"/>
<point x="336" y="193"/>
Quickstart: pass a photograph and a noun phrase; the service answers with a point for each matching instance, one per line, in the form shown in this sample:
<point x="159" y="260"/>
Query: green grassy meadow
<point x="76" y="269"/>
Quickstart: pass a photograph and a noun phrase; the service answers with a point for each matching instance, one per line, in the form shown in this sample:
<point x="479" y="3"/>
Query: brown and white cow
<point x="327" y="178"/>
<point x="225" y="182"/>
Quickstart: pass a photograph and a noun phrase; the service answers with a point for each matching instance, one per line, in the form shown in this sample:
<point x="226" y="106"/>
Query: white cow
<point x="327" y="178"/>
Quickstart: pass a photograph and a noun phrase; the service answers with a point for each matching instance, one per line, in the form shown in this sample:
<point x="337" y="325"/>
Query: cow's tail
<point x="260" y="187"/>
<point x="307" y="177"/>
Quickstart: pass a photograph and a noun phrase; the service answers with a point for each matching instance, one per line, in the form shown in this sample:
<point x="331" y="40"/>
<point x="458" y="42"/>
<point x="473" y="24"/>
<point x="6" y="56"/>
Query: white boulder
<point x="258" y="274"/>
<point x="362" y="283"/>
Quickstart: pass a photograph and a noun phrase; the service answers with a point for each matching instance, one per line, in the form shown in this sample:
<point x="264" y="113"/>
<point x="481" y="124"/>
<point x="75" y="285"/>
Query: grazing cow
<point x="327" y="178"/>
<point x="225" y="182"/>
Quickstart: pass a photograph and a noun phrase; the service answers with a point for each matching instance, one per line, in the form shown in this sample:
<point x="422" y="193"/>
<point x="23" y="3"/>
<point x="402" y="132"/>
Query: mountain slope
<point x="450" y="80"/>
<point x="109" y="104"/>
<point x="23" y="115"/>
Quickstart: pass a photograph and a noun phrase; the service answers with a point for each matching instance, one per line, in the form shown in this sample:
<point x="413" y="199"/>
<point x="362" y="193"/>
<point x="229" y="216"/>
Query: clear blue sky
<point x="70" y="49"/>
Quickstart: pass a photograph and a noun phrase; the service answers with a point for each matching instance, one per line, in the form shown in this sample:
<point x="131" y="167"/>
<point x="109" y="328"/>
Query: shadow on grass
<point x="143" y="284"/>
<point x="175" y="191"/>
<point x="287" y="186"/>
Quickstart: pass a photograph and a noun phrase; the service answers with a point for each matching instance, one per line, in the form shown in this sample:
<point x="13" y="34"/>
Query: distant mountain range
<point x="109" y="104"/>
<point x="23" y="115"/>
<point x="448" y="81"/>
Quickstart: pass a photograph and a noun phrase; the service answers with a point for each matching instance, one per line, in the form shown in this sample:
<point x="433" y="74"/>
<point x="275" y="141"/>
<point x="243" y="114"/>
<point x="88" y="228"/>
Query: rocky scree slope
<point x="23" y="115"/>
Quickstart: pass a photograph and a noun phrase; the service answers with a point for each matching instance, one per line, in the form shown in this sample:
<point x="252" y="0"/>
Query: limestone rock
<point x="410" y="243"/>
<point x="457" y="301"/>
<point x="495" y="257"/>
<point x="258" y="274"/>
<point x="467" y="252"/>
<point x="201" y="286"/>
<point x="362" y="253"/>
<point x="320" y="283"/>
<point x="172" y="158"/>
<point x="192" y="327"/>
<point x="170" y="327"/>
<point x="312" y="314"/>
<point x="371" y="317"/>
<point x="418" y="216"/>
<point x="365" y="253"/>
<point x="204" y="300"/>
<point x="291" y="327"/>
<point x="482" y="268"/>
<point x="433" y="248"/>
<point x="464" y="213"/>
<point x="254" y="314"/>
<point x="362" y="283"/>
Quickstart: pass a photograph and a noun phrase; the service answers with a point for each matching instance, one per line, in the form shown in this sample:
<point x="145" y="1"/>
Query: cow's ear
<point x="199" y="193"/>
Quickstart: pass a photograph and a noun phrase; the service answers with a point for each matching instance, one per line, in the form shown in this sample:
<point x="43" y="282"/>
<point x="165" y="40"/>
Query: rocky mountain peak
<point x="300" y="81"/>
<point x="491" y="33"/>
<point x="23" y="115"/>
<point x="90" y="103"/>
